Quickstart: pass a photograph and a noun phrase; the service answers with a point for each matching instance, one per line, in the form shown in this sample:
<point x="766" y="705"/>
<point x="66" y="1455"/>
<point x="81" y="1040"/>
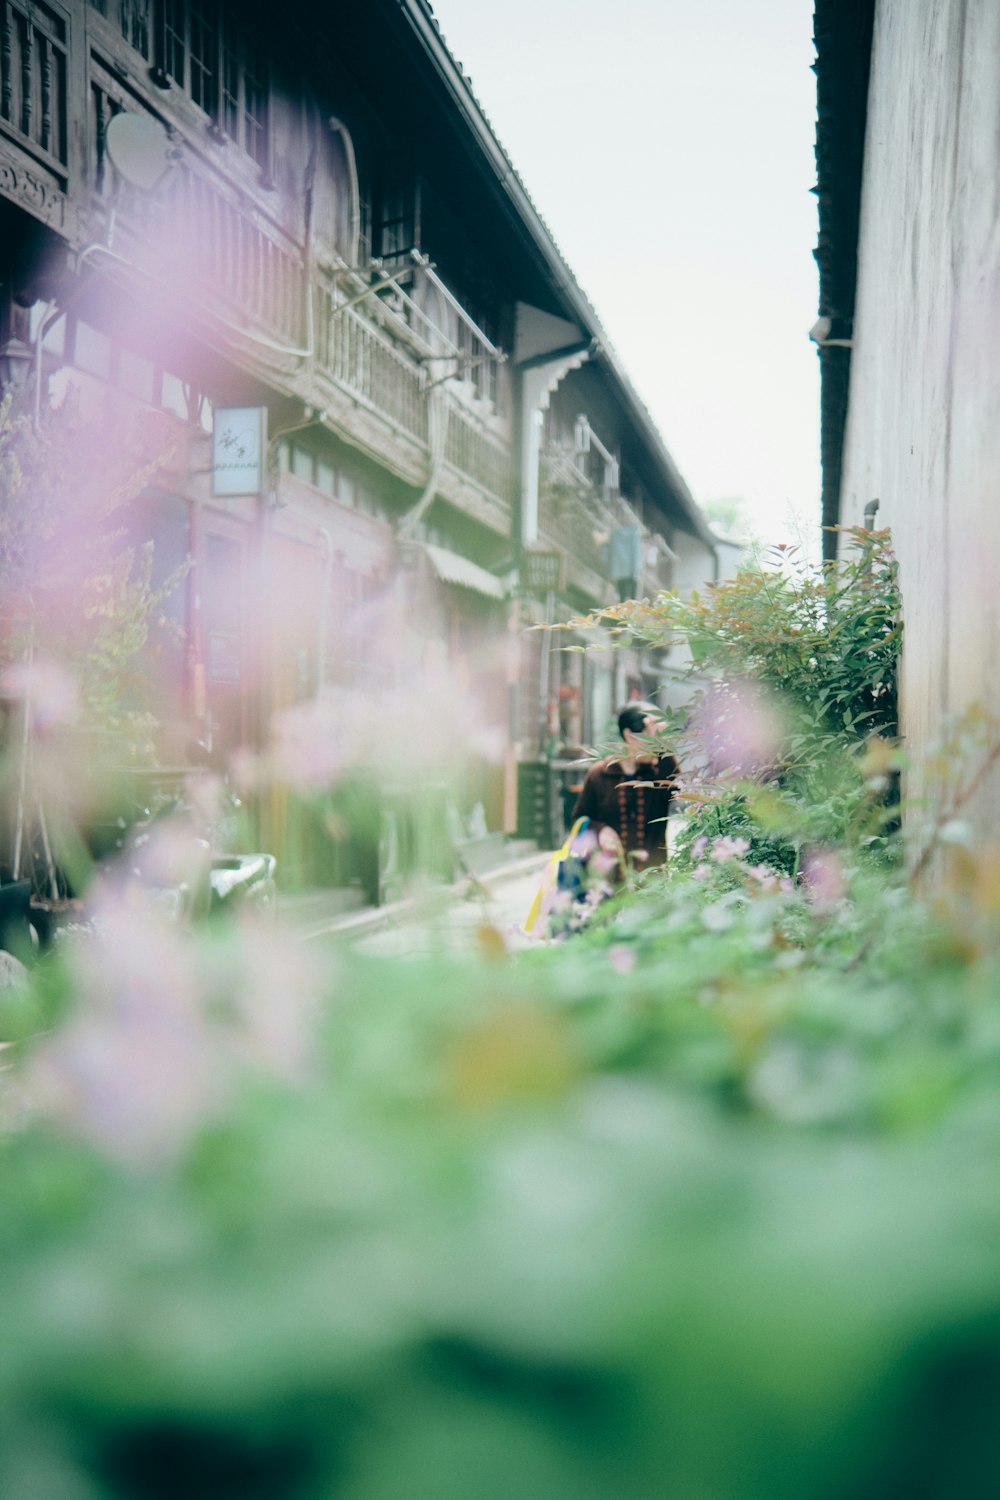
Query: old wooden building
<point x="306" y="220"/>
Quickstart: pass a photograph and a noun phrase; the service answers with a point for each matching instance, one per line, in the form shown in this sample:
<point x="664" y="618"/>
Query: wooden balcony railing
<point x="242" y="261"/>
<point x="567" y="521"/>
<point x="202" y="236"/>
<point x="569" y="509"/>
<point x="222" y="257"/>
<point x="576" y="515"/>
<point x="478" y="454"/>
<point x="359" y="347"/>
<point x="33" y="77"/>
<point x="361" y="358"/>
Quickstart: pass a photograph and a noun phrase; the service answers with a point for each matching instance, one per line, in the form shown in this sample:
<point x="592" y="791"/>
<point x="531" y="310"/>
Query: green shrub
<point x="789" y="734"/>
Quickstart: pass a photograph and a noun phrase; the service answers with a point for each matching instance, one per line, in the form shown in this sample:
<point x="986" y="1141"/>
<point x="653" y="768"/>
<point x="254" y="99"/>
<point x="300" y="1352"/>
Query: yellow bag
<point x="550" y="875"/>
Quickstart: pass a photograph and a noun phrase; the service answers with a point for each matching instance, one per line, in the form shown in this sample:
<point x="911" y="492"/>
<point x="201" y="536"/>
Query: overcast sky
<point x="669" y="147"/>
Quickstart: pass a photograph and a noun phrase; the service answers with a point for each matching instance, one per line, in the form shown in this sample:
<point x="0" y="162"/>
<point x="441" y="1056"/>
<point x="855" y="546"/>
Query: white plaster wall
<point x="695" y="563"/>
<point x="695" y="566"/>
<point x="923" y="433"/>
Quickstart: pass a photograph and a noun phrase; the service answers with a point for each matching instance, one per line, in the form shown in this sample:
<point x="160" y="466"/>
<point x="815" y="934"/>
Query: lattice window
<point x="133" y="19"/>
<point x="173" y="31"/>
<point x="396" y="229"/>
<point x="203" y="51"/>
<point x="135" y="24"/>
<point x="208" y="52"/>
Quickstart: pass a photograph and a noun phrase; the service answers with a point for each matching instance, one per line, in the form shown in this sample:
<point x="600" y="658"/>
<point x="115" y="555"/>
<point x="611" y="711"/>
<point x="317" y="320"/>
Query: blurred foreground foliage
<point x="701" y="1204"/>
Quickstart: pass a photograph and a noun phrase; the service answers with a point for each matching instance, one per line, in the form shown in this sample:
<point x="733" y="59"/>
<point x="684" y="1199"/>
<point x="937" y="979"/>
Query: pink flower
<point x="169" y="854"/>
<point x="308" y="749"/>
<point x="246" y="771"/>
<point x="621" y="958"/>
<point x="135" y="1071"/>
<point x="739" y="729"/>
<point x="699" y="846"/>
<point x="52" y="691"/>
<point x="585" y="843"/>
<point x="595" y="895"/>
<point x="724" y="848"/>
<point x="275" y="992"/>
<point x="823" y="878"/>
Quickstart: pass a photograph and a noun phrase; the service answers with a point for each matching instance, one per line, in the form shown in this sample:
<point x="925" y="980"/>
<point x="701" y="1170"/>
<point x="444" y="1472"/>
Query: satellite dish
<point x="139" y="149"/>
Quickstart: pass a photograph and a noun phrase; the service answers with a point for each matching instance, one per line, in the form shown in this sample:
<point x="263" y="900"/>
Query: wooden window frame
<point x="202" y="47"/>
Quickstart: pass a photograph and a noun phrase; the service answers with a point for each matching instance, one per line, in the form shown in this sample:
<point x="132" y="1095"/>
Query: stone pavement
<point x="430" y="914"/>
<point x="463" y="918"/>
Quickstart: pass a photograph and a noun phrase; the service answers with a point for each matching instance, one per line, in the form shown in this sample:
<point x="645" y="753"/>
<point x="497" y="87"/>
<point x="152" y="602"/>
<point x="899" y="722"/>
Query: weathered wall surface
<point x="923" y="432"/>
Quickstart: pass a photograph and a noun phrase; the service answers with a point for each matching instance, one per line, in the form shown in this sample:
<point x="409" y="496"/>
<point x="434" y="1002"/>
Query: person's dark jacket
<point x="635" y="804"/>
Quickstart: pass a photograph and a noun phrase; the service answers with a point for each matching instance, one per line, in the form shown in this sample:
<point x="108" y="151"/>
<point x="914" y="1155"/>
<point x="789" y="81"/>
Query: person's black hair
<point x="634" y="715"/>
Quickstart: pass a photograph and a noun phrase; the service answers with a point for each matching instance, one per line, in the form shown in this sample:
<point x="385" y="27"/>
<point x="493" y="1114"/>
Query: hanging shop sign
<point x="239" y="450"/>
<point x="542" y="572"/>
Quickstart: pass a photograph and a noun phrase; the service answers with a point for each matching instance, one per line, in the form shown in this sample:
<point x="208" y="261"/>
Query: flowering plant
<point x="584" y="876"/>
